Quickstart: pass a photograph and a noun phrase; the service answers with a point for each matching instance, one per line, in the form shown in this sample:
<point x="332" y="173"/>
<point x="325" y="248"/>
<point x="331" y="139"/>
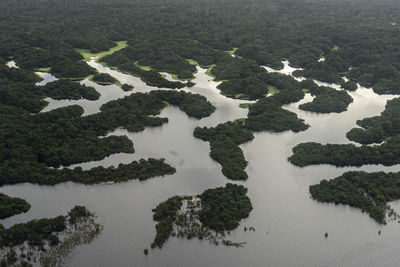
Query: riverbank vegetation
<point x="123" y="61"/>
<point x="165" y="214"/>
<point x="193" y="105"/>
<point x="67" y="89"/>
<point x="210" y="215"/>
<point x="222" y="208"/>
<point x="369" y="192"/>
<point x="328" y="100"/>
<point x="104" y="79"/>
<point x="48" y="240"/>
<point x="268" y="115"/>
<point x="126" y="87"/>
<point x="17" y="88"/>
<point x="224" y="144"/>
<point x="379" y="128"/>
<point x="10" y="206"/>
<point x="347" y="155"/>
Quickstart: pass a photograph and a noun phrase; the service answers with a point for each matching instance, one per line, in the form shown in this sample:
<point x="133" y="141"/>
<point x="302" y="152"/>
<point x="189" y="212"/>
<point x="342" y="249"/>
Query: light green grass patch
<point x="272" y="90"/>
<point x="44" y="69"/>
<point x="146" y="68"/>
<point x="88" y="55"/>
<point x="245" y="105"/>
<point x="193" y="62"/>
<point x="306" y="90"/>
<point x="241" y="96"/>
<point x="175" y="77"/>
<point x="208" y="72"/>
<point x="232" y="52"/>
<point x="335" y="48"/>
<point x="240" y="121"/>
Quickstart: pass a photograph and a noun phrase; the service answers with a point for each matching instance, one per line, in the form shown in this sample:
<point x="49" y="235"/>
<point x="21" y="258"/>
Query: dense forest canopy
<point x="369" y="192"/>
<point x="165" y="33"/>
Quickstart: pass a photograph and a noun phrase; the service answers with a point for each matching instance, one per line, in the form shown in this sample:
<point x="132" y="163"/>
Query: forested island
<point x="67" y="89"/>
<point x="327" y="100"/>
<point x="47" y="241"/>
<point x="347" y="155"/>
<point x="104" y="79"/>
<point x="206" y="216"/>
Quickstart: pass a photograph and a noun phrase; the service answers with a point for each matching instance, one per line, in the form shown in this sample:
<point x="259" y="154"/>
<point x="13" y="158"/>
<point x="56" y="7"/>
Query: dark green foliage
<point x="320" y="71"/>
<point x="68" y="68"/>
<point x="230" y="156"/>
<point x="39" y="230"/>
<point x="232" y="130"/>
<point x="256" y="86"/>
<point x="229" y="68"/>
<point x="126" y="87"/>
<point x="193" y="105"/>
<point x="376" y="129"/>
<point x="63" y="137"/>
<point x="248" y="88"/>
<point x="17" y="89"/>
<point x="53" y="240"/>
<point x="150" y="77"/>
<point x="162" y="35"/>
<point x="78" y="212"/>
<point x="369" y="192"/>
<point x="347" y="155"/>
<point x="10" y="206"/>
<point x="104" y="78"/>
<point x="224" y="207"/>
<point x="161" y="54"/>
<point x="35" y="231"/>
<point x="140" y="170"/>
<point x="165" y="214"/>
<point x="224" y="143"/>
<point x="349" y="85"/>
<point x="67" y="89"/>
<point x="268" y="115"/>
<point x="328" y="100"/>
<point x="220" y="209"/>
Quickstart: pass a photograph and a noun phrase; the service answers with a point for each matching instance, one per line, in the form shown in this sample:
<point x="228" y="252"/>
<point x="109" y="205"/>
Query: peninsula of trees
<point x="369" y="192"/>
<point x="10" y="206"/>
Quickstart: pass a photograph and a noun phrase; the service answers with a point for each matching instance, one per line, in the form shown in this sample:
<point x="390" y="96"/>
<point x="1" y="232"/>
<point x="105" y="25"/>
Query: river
<point x="289" y="225"/>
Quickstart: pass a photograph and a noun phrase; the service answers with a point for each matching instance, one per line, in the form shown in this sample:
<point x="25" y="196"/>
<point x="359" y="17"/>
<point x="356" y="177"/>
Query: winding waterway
<point x="289" y="225"/>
